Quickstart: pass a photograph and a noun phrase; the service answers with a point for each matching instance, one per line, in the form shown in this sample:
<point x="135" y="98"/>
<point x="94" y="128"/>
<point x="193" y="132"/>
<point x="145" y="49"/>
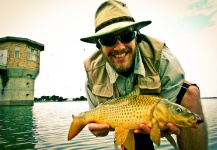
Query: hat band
<point x="114" y="20"/>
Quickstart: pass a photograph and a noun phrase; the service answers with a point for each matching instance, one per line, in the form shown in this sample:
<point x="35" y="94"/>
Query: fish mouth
<point x="196" y="123"/>
<point x="199" y="121"/>
<point x="196" y="120"/>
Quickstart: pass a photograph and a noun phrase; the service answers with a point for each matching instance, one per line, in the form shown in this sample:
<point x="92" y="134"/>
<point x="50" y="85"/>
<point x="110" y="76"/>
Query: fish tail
<point x="77" y="125"/>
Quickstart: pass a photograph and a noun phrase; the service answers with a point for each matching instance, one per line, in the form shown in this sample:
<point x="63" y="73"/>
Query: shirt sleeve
<point x="90" y="96"/>
<point x="171" y="74"/>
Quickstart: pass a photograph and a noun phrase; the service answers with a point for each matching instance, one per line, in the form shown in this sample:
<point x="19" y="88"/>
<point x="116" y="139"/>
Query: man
<point x="126" y="58"/>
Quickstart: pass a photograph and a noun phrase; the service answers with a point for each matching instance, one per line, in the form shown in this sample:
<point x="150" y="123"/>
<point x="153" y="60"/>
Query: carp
<point x="125" y="114"/>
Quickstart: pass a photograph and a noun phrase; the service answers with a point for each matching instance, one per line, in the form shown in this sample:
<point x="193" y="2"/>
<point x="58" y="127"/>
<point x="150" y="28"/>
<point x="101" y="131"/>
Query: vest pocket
<point x="105" y="90"/>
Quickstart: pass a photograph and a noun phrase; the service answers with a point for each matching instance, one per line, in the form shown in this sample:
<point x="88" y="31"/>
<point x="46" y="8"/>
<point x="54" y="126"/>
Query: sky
<point x="188" y="27"/>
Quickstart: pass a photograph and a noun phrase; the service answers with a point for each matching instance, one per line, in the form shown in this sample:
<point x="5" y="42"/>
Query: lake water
<point x="45" y="126"/>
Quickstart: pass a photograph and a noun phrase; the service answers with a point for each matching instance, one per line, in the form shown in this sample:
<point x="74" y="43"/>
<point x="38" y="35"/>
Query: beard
<point x="123" y="69"/>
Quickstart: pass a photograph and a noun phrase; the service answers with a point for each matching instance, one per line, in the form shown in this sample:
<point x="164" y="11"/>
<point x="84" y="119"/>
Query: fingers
<point x="96" y="126"/>
<point x="99" y="129"/>
<point x="103" y="129"/>
<point x="174" y="129"/>
<point x="144" y="129"/>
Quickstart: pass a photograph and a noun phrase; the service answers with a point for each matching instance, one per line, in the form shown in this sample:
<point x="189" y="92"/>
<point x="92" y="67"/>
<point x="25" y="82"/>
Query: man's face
<point x="121" y="56"/>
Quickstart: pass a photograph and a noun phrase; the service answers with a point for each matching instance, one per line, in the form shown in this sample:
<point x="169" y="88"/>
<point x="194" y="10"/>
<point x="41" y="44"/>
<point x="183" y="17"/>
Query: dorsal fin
<point x="135" y="92"/>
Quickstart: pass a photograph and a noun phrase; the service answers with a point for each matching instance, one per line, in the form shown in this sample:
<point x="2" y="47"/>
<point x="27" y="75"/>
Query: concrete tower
<point x="19" y="67"/>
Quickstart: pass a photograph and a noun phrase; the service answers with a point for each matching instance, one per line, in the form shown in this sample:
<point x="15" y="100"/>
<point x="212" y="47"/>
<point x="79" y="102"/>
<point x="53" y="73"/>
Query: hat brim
<point x="113" y="28"/>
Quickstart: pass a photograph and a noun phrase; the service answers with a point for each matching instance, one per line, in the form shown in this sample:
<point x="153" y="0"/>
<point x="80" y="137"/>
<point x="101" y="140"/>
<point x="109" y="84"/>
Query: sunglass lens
<point x="108" y="40"/>
<point x="127" y="36"/>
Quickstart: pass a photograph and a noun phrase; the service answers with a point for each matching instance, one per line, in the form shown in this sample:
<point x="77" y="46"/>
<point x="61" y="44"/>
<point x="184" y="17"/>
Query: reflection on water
<point x="17" y="128"/>
<point x="45" y="126"/>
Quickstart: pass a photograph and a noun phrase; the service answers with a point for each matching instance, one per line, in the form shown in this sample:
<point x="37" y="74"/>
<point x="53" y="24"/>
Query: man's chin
<point x="124" y="70"/>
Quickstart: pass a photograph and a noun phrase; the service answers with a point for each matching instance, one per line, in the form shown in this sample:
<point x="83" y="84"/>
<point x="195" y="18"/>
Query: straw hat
<point x="111" y="16"/>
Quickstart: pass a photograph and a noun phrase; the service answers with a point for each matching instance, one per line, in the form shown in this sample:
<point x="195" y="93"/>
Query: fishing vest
<point x="98" y="78"/>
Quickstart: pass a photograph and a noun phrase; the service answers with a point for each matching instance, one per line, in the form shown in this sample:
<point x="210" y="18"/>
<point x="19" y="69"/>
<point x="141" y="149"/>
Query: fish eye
<point x="179" y="110"/>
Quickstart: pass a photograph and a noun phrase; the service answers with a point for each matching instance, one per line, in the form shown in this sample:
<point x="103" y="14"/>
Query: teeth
<point x="120" y="56"/>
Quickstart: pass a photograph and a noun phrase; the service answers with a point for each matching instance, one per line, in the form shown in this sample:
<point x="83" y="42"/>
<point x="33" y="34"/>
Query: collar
<point x="138" y="68"/>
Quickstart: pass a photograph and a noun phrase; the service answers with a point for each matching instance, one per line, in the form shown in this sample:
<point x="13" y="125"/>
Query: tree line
<point x="58" y="98"/>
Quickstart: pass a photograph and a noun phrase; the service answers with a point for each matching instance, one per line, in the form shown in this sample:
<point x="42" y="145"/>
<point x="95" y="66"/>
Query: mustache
<point x="115" y="52"/>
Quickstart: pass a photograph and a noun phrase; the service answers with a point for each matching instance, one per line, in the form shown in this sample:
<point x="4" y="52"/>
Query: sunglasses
<point x="124" y="37"/>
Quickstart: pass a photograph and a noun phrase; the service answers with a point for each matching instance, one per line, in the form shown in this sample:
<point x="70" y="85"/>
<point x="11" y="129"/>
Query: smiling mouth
<point x="120" y="56"/>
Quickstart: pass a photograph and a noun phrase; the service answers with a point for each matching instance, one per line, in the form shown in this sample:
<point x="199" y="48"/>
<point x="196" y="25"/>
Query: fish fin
<point x="170" y="139"/>
<point x="130" y="141"/>
<point x="121" y="135"/>
<point x="136" y="91"/>
<point x="76" y="126"/>
<point x="155" y="132"/>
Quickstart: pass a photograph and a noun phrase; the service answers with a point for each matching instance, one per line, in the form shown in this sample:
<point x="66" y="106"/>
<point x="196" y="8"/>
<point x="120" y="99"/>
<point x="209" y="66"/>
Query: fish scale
<point x="125" y="114"/>
<point x="122" y="111"/>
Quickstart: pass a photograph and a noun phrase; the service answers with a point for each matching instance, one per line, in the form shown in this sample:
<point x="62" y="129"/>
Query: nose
<point x="119" y="45"/>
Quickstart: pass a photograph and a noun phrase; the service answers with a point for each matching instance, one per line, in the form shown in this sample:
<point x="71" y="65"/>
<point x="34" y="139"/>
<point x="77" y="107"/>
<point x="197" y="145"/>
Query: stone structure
<point x="19" y="67"/>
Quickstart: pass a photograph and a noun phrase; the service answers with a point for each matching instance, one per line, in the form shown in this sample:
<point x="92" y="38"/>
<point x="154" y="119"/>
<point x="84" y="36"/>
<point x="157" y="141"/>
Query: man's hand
<point x="173" y="129"/>
<point x="146" y="130"/>
<point x="99" y="129"/>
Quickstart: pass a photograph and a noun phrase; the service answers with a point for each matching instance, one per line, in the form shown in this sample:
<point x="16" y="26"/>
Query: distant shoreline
<point x="208" y="97"/>
<point x="60" y="101"/>
<point x="79" y="100"/>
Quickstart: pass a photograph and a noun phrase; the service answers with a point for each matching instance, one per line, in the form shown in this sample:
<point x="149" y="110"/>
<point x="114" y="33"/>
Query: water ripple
<point x="45" y="126"/>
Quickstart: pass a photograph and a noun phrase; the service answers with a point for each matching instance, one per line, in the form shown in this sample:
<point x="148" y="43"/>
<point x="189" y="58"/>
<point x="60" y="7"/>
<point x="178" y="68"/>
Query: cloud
<point x="202" y="6"/>
<point x="198" y="22"/>
<point x="200" y="15"/>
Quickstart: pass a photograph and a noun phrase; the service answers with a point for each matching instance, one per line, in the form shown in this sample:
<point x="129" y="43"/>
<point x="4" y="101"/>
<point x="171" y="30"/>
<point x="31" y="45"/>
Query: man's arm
<point x="191" y="138"/>
<point x="172" y="78"/>
<point x="172" y="75"/>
